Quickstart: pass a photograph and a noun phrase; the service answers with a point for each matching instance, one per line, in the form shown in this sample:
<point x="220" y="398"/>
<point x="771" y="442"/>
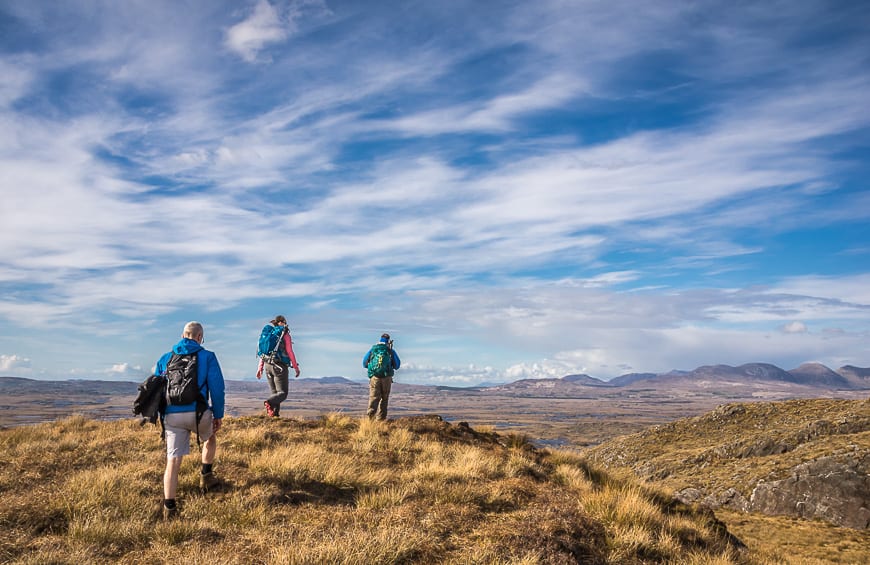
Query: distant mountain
<point x="584" y="380"/>
<point x="818" y="375"/>
<point x="750" y="371"/>
<point x="17" y="385"/>
<point x="856" y="376"/>
<point x="753" y="374"/>
<point x="550" y="387"/>
<point x="569" y="386"/>
<point x="331" y="380"/>
<point x="629" y="378"/>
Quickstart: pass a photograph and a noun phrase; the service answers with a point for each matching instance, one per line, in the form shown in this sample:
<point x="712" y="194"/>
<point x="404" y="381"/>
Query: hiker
<point x="381" y="361"/>
<point x="181" y="420"/>
<point x="275" y="358"/>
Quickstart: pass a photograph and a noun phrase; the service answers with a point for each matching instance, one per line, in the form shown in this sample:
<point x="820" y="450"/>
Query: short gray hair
<point x="192" y="330"/>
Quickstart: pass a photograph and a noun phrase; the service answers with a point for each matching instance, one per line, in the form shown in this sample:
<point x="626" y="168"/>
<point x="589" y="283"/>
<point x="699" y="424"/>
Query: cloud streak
<point x="569" y="187"/>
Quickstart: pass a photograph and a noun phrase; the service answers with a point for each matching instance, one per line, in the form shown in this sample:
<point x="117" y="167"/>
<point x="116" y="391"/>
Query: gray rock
<point x="731" y="498"/>
<point x="689" y="495"/>
<point x="835" y="489"/>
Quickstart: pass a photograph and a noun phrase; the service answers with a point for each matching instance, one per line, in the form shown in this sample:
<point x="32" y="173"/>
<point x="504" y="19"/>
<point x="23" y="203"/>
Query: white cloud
<point x="124" y="371"/>
<point x="851" y="290"/>
<point x="16" y="81"/>
<point x="14" y="363"/>
<point x="794" y="328"/>
<point x="468" y="375"/>
<point x="248" y="37"/>
<point x="496" y="114"/>
<point x="545" y="369"/>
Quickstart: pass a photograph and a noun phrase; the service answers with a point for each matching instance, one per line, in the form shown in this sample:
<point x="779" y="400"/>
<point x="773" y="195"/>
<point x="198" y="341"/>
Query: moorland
<point x="704" y="442"/>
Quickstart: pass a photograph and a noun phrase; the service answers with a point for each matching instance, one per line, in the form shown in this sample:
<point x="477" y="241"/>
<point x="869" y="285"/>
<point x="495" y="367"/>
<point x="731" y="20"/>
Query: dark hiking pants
<point x="278" y="375"/>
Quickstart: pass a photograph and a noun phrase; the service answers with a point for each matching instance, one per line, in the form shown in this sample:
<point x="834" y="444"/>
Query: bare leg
<point x="170" y="477"/>
<point x="209" y="449"/>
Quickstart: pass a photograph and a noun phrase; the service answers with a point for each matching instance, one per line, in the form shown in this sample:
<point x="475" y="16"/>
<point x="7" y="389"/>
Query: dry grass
<point x="731" y="447"/>
<point x="738" y="445"/>
<point x="334" y="490"/>
<point x="791" y="540"/>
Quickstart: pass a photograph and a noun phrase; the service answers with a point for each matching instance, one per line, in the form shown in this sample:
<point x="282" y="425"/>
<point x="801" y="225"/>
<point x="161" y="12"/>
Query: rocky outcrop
<point x="729" y="498"/>
<point x="835" y="489"/>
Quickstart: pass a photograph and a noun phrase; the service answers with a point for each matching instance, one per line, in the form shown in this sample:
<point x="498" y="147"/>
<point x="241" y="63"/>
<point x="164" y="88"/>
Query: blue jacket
<point x="395" y="357"/>
<point x="208" y="374"/>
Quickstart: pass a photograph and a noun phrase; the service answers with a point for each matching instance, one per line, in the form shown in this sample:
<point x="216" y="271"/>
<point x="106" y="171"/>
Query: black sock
<point x="206" y="468"/>
<point x="169" y="503"/>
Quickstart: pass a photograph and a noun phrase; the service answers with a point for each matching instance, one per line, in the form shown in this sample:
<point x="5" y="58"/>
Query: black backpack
<point x="182" y="385"/>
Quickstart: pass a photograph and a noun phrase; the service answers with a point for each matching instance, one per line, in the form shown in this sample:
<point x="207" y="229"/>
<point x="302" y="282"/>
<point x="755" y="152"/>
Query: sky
<point x="512" y="189"/>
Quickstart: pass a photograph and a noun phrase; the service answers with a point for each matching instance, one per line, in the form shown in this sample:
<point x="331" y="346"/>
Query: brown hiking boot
<point x="208" y="482"/>
<point x="170" y="513"/>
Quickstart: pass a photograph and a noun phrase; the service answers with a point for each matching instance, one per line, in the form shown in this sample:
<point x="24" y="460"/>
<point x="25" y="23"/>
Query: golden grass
<point x="333" y="490"/>
<point x="736" y="446"/>
<point x="799" y="541"/>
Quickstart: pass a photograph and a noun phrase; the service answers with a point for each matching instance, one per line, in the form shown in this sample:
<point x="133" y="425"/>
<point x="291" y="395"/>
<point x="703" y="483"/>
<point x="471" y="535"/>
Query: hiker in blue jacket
<point x="180" y="421"/>
<point x="381" y="361"/>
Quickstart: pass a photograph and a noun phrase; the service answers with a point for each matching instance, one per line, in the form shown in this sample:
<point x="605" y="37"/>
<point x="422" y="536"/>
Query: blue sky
<point x="512" y="189"/>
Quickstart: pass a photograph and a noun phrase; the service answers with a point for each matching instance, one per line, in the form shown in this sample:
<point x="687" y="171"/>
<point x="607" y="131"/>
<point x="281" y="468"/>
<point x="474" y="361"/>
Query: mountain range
<point x="707" y="377"/>
<point x="751" y="375"/>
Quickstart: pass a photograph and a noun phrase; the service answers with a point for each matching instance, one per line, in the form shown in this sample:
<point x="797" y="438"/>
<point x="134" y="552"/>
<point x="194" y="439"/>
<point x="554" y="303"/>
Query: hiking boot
<point x="170" y="513"/>
<point x="208" y="482"/>
<point x="269" y="409"/>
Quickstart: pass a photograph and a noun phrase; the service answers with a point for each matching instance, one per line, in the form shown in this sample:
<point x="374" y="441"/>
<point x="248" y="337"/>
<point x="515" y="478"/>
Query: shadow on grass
<point x="298" y="492"/>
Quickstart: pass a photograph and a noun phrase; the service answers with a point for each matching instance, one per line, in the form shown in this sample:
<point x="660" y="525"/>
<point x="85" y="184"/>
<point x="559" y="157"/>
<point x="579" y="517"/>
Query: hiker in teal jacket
<point x="380" y="376"/>
<point x="180" y="421"/>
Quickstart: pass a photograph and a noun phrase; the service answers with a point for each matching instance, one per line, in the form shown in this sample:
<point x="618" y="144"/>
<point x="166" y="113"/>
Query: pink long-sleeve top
<point x="288" y="347"/>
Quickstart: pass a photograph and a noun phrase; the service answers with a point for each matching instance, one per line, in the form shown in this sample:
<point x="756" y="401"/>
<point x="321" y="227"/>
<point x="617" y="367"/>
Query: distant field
<point x="558" y="422"/>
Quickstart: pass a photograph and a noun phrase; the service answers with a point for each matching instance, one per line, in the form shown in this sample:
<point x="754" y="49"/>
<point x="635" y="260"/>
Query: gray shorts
<point x="179" y="426"/>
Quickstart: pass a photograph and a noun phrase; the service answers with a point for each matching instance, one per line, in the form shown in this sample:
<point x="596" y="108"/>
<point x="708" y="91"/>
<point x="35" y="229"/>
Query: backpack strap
<point x="275" y="354"/>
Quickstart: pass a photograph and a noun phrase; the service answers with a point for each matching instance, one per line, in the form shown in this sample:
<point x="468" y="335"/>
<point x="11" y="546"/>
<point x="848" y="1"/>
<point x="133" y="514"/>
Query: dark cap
<point x="385" y="337"/>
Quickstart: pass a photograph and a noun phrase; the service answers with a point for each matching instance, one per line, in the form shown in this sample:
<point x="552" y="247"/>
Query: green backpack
<point x="380" y="361"/>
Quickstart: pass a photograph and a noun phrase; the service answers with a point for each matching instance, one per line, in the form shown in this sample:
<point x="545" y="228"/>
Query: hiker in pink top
<point x="277" y="366"/>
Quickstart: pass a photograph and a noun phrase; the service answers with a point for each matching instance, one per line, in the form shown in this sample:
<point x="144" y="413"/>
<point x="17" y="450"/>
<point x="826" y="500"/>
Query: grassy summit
<point x="335" y="490"/>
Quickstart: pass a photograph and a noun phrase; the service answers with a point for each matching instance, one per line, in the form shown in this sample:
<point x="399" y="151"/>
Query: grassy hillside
<point x="722" y="456"/>
<point x="335" y="490"/>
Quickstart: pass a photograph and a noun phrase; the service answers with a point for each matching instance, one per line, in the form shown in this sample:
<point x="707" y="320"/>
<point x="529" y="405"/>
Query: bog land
<point x="557" y="416"/>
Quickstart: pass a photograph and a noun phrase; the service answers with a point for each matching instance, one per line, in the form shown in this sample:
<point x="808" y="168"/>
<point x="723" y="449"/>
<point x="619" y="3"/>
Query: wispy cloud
<point x="597" y="185"/>
<point x="259" y="29"/>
